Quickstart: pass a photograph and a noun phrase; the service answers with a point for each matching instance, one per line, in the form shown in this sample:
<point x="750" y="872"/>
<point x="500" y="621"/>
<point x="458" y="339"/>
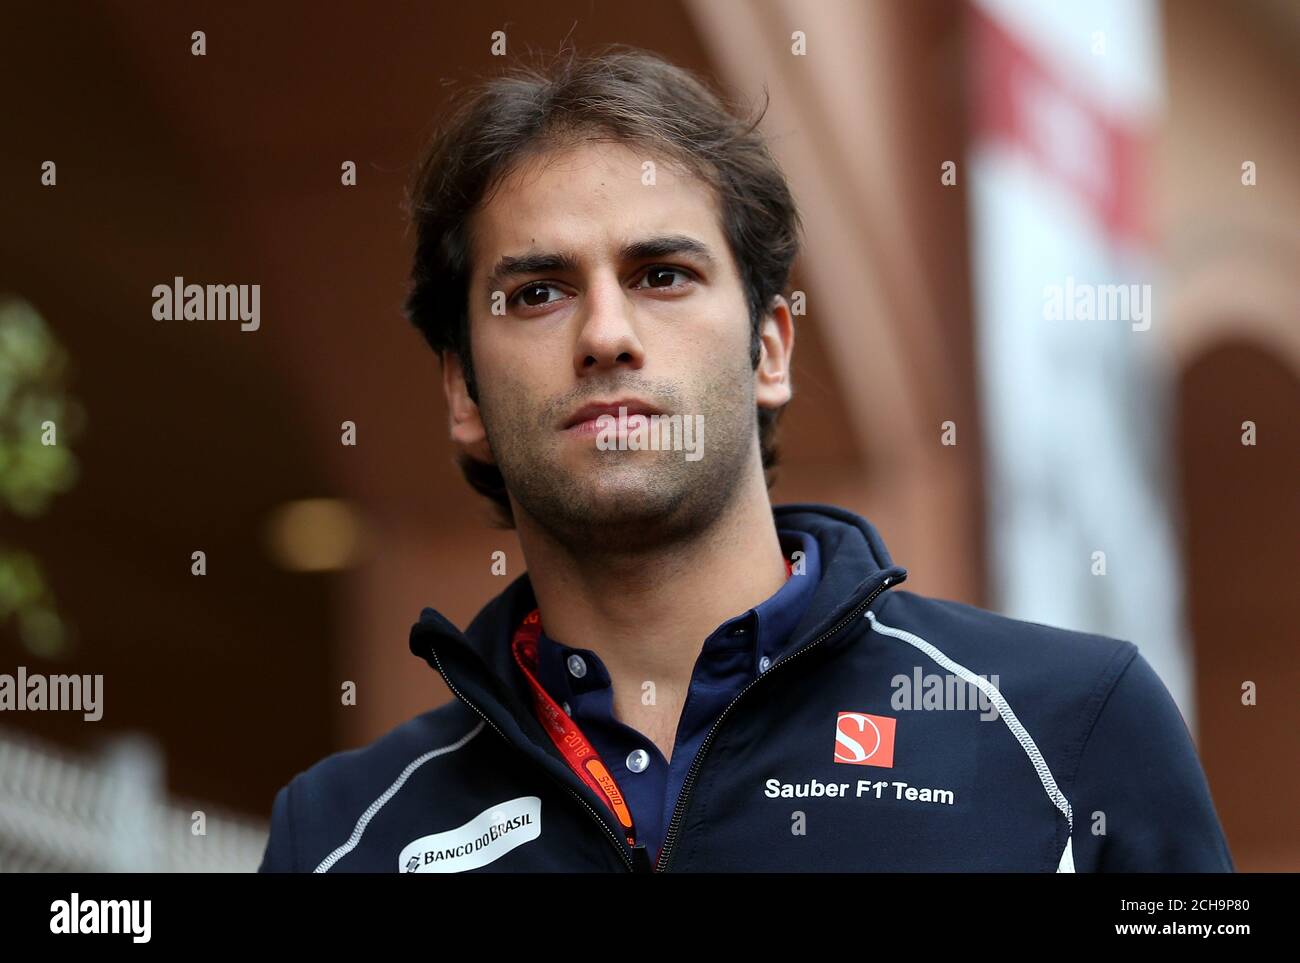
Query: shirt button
<point x="763" y="663"/>
<point x="567" y="710"/>
<point x="637" y="760"/>
<point x="577" y="666"/>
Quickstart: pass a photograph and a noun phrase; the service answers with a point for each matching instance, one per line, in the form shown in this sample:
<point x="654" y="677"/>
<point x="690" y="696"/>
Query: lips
<point x="585" y="417"/>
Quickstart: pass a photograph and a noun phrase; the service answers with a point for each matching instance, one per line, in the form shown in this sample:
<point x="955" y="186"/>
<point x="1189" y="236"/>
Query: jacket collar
<point x="854" y="562"/>
<point x="478" y="665"/>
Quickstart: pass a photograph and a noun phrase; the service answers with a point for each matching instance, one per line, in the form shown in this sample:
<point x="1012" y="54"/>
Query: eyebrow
<point x="661" y="245"/>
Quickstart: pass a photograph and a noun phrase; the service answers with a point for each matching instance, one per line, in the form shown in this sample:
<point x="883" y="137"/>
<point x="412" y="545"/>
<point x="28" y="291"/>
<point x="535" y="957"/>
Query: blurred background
<point x="956" y="163"/>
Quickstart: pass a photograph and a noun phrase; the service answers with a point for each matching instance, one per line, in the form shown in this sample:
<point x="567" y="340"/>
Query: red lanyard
<point x="564" y="732"/>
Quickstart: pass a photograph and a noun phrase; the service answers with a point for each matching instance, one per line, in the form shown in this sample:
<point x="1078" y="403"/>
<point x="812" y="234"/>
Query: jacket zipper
<point x="620" y="845"/>
<point x="674" y="825"/>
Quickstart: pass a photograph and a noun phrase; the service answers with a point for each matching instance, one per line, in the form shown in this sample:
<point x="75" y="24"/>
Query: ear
<point x="465" y="422"/>
<point x="772" y="387"/>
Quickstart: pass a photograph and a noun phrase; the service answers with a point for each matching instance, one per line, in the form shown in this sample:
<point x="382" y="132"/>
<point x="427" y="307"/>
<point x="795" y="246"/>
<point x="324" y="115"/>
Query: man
<point x="687" y="678"/>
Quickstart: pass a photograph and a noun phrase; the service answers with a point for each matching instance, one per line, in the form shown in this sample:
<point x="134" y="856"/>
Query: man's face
<point x="613" y="290"/>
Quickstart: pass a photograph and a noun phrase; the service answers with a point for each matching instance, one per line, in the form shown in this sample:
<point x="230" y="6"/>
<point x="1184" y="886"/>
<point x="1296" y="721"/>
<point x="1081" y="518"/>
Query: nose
<point x="608" y="337"/>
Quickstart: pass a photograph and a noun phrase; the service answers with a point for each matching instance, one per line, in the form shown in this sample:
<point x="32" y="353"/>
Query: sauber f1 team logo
<point x="861" y="739"/>
<point x="864" y="740"/>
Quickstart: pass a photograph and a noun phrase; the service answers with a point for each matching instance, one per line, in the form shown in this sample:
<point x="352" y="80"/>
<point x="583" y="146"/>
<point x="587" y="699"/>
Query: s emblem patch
<point x="485" y="838"/>
<point x="862" y="739"/>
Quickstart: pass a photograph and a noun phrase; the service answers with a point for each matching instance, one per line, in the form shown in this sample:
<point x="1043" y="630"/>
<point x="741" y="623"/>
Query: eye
<point x="659" y="276"/>
<point x="534" y="294"/>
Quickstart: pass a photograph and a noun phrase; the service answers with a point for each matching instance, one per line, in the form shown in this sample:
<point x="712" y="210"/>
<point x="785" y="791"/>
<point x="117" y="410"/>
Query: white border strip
<point x="389" y="793"/>
<point x="1026" y="741"/>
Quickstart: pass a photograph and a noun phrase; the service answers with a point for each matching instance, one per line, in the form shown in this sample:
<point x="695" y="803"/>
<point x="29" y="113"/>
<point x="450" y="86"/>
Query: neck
<point x="647" y="613"/>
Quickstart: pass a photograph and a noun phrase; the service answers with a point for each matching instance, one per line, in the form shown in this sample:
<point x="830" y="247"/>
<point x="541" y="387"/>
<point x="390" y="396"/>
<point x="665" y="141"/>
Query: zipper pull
<point x="641" y="859"/>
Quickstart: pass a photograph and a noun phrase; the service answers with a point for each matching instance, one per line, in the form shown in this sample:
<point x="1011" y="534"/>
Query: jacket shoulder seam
<point x="1107" y="682"/>
<point x="363" y="821"/>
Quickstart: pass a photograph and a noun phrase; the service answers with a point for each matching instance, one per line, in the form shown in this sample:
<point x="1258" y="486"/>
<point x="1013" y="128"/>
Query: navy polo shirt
<point x="735" y="654"/>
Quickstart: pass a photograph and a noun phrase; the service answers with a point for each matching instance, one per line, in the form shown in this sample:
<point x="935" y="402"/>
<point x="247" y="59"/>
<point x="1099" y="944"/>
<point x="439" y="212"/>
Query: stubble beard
<point x="626" y="502"/>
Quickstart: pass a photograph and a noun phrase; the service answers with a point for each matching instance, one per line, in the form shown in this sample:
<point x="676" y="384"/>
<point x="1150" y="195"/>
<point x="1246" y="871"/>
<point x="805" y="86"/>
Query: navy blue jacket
<point x="899" y="733"/>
